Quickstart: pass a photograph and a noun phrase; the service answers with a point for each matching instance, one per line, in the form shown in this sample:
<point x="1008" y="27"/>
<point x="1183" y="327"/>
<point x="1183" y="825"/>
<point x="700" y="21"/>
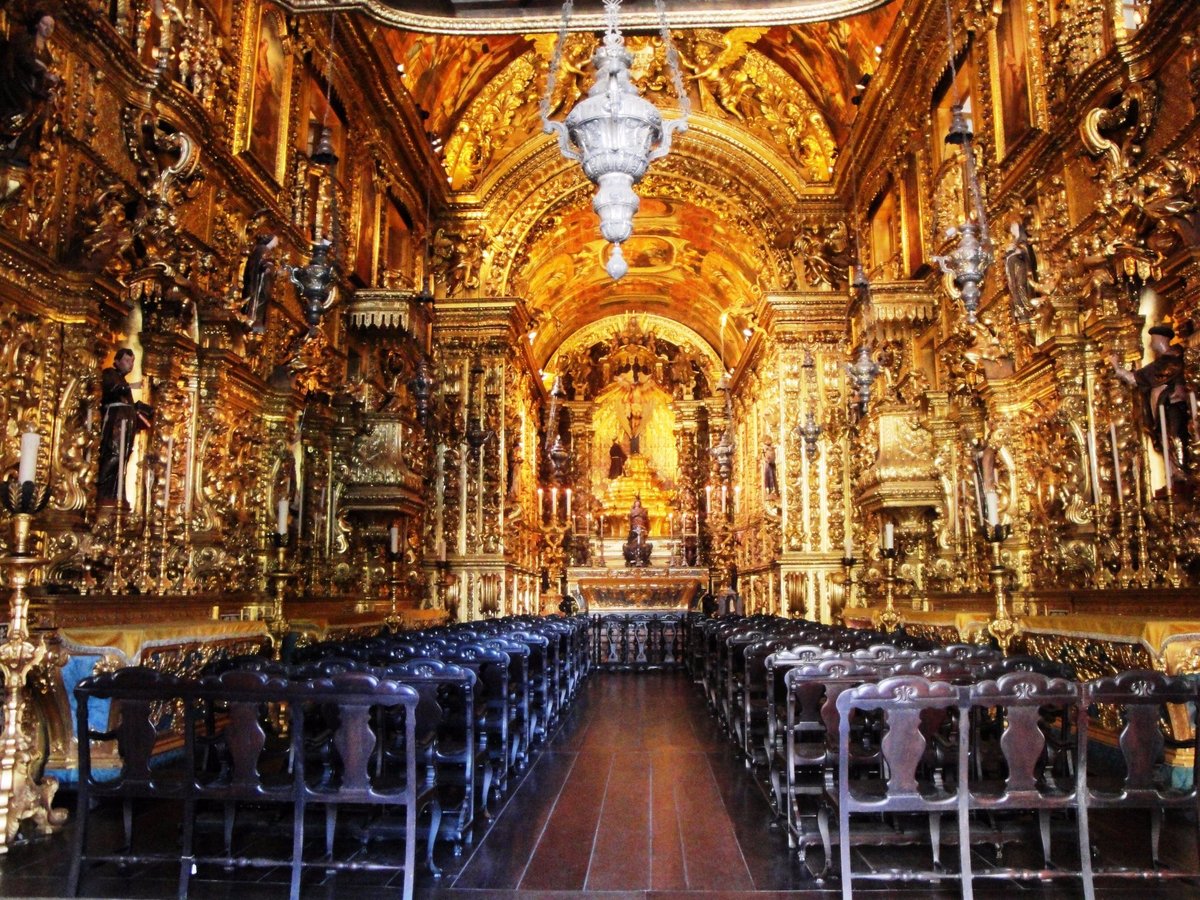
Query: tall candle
<point x="848" y="546"/>
<point x="1112" y="438"/>
<point x="167" y="477"/>
<point x="993" y="509"/>
<point x="889" y="536"/>
<point x="568" y="503"/>
<point x="121" y="461"/>
<point x="724" y="498"/>
<point x="394" y="539"/>
<point x="27" y="467"/>
<point x="708" y="498"/>
<point x="281" y="516"/>
<point x="1166" y="444"/>
<point x="541" y="503"/>
<point x="554" y="503"/>
<point x="737" y="499"/>
<point x="1192" y="404"/>
<point x="1092" y="461"/>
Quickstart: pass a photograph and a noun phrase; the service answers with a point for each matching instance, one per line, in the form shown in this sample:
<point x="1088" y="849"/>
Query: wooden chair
<point x="1145" y="703"/>
<point x="901" y="786"/>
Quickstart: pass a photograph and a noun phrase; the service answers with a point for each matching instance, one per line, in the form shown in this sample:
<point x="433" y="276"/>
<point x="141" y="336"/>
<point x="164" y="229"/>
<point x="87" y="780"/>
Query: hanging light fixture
<point x="614" y="132"/>
<point x="968" y="262"/>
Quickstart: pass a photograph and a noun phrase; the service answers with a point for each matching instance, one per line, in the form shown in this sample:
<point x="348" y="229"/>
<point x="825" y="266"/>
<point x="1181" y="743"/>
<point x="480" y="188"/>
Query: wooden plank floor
<point x="637" y="795"/>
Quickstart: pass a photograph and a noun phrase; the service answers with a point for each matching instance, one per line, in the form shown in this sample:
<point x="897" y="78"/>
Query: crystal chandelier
<point x="614" y="132"/>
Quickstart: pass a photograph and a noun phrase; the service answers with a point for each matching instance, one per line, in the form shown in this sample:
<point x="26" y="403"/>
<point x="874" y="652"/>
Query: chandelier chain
<point x="556" y="60"/>
<point x="685" y="102"/>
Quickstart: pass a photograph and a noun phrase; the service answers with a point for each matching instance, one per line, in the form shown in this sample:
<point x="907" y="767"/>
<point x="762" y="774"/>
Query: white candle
<point x="737" y="499"/>
<point x="1166" y="444"/>
<point x="541" y="503"/>
<point x="281" y="516"/>
<point x="993" y="509"/>
<point x="189" y="466"/>
<point x="553" y="503"/>
<point x="568" y="503"/>
<point x="889" y="536"/>
<point x="394" y="538"/>
<point x="724" y="498"/>
<point x="27" y="467"/>
<point x="121" y="462"/>
<point x="1112" y="437"/>
<point x="848" y="546"/>
<point x="1192" y="404"/>
<point x="167" y="477"/>
<point x="708" y="498"/>
<point x="1092" y="461"/>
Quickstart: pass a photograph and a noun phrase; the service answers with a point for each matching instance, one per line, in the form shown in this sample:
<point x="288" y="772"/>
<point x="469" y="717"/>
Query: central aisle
<point x="637" y="791"/>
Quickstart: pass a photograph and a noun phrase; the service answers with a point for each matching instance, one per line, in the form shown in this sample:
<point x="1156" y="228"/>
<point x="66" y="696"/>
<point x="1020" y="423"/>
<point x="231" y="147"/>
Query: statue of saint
<point x="1020" y="267"/>
<point x="120" y="418"/>
<point x="256" y="283"/>
<point x="616" y="460"/>
<point x="639" y="519"/>
<point x="1164" y="393"/>
<point x="770" y="472"/>
<point x="26" y="84"/>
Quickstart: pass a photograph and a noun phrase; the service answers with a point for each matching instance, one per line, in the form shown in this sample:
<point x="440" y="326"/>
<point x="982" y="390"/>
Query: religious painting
<point x="266" y="98"/>
<point x="885" y="232"/>
<point x="914" y="251"/>
<point x="368" y="214"/>
<point x="396" y="263"/>
<point x="1011" y="76"/>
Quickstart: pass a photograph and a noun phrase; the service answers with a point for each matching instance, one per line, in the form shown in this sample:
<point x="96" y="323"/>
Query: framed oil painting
<point x="368" y="217"/>
<point x="1010" y="73"/>
<point x="397" y="263"/>
<point x="266" y="99"/>
<point x="885" y="232"/>
<point x="910" y="201"/>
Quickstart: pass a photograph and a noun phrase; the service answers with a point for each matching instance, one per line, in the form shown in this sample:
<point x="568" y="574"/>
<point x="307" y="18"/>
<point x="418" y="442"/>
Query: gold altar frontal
<point x="644" y="591"/>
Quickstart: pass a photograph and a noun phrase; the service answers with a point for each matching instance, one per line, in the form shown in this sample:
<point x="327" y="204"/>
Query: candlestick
<point x="1166" y="445"/>
<point x="121" y="463"/>
<point x="167" y="478"/>
<point x="281" y="516"/>
<point x="27" y="467"/>
<point x="1112" y="437"/>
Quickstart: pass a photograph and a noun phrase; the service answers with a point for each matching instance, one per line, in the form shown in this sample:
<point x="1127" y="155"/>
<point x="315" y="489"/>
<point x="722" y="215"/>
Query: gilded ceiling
<point x="770" y="108"/>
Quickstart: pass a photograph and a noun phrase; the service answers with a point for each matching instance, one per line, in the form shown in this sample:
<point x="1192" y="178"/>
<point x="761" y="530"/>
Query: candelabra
<point x="444" y="579"/>
<point x="1002" y="627"/>
<point x="394" y="558"/>
<point x="277" y="625"/>
<point x="848" y="564"/>
<point x="889" y="619"/>
<point x="22" y="796"/>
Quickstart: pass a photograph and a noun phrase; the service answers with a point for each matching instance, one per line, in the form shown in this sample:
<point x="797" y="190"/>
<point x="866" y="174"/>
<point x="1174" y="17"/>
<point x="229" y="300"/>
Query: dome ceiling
<point x="770" y="108"/>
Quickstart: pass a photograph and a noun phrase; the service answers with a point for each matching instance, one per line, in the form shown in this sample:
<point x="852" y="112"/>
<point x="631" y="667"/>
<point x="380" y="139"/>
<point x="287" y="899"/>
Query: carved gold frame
<point x="254" y="18"/>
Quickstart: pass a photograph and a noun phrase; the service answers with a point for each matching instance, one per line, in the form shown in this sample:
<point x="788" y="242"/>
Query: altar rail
<point x="638" y="642"/>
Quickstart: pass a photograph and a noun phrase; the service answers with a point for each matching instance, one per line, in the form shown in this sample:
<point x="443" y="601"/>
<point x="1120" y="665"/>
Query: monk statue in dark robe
<point x="1163" y="391"/>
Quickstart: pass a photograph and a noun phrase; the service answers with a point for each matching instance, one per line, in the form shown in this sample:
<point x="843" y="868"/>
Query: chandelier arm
<point x="670" y="126"/>
<point x="549" y="126"/>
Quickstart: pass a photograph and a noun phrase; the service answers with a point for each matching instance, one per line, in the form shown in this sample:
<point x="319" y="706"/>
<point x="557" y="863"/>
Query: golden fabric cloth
<point x="1167" y="640"/>
<point x="131" y="642"/>
<point x="967" y="624"/>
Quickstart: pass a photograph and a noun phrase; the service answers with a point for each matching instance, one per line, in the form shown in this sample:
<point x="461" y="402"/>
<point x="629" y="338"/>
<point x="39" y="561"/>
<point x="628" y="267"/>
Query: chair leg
<point x="965" y="876"/>
<point x="1085" y="850"/>
<point x="230" y="813"/>
<point x="297" y="849"/>
<point x="935" y="839"/>
<point x="330" y="827"/>
<point x="187" y="857"/>
<point x="435" y="824"/>
<point x="844" y="853"/>
<point x="80" y="843"/>
<point x="1044" y="828"/>
<point x="1156" y="822"/>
